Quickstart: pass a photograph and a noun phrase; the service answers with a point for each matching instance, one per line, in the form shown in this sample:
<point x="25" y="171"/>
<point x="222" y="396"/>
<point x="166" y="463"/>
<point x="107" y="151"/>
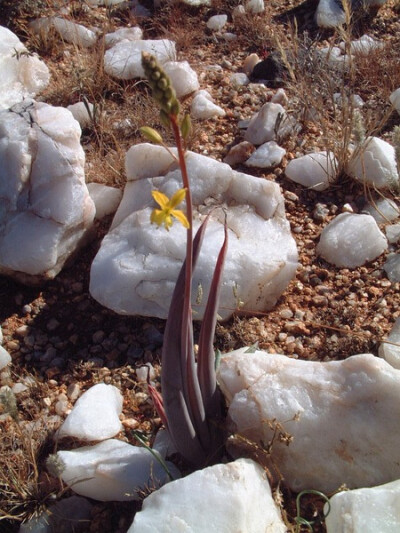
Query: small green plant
<point x="190" y="403"/>
<point x="300" y="521"/>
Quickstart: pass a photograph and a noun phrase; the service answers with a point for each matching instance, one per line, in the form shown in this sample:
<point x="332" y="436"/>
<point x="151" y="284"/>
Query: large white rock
<point x="224" y="498"/>
<point x="124" y="60"/>
<point x="23" y="75"/>
<point x="113" y="470"/>
<point x="184" y="79"/>
<point x="390" y="350"/>
<point x="351" y="240"/>
<point x="343" y="416"/>
<point x="83" y="113"/>
<point x="203" y="107"/>
<point x="69" y="31"/>
<point x="262" y="126"/>
<point x="137" y="265"/>
<point x="95" y="415"/>
<point x="267" y="155"/>
<point x="45" y="207"/>
<point x="316" y="171"/>
<point x="367" y="510"/>
<point x="375" y="164"/>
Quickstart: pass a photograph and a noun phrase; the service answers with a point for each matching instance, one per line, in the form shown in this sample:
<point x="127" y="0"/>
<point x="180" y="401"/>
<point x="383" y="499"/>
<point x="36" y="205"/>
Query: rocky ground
<point x="62" y="341"/>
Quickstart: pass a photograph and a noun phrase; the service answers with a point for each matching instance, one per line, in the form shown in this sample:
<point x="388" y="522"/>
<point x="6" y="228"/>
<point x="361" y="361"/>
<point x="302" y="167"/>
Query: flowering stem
<point x="189" y="210"/>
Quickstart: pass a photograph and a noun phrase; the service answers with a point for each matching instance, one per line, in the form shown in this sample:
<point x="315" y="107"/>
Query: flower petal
<point x="180" y="215"/>
<point x="157" y="217"/>
<point x="161" y="199"/>
<point x="167" y="222"/>
<point x="177" y="198"/>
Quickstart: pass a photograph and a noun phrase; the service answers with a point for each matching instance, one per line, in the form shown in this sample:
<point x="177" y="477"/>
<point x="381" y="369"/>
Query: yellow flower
<point x="167" y="211"/>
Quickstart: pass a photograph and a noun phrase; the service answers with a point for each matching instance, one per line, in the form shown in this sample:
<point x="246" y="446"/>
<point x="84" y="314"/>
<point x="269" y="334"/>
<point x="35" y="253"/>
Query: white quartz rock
<point x="393" y="233"/>
<point x="224" y="498"/>
<point x="395" y="99"/>
<point x="254" y="6"/>
<point x="44" y="203"/>
<point x="329" y="14"/>
<point x="123" y="34"/>
<point x="113" y="470"/>
<point x="351" y="240"/>
<point x="217" y="22"/>
<point x="316" y="171"/>
<point x="342" y="416"/>
<point x="364" y="45"/>
<point x="184" y="79"/>
<point x="81" y="113"/>
<point x="137" y="265"/>
<point x="267" y="155"/>
<point x="383" y="210"/>
<point x="106" y="199"/>
<point x="239" y="79"/>
<point x="203" y="107"/>
<point x="22" y="75"/>
<point x="375" y="164"/>
<point x="5" y="358"/>
<point x="390" y="350"/>
<point x="69" y="31"/>
<point x="366" y="510"/>
<point x="124" y="60"/>
<point x="392" y="267"/>
<point x="95" y="415"/>
<point x="262" y="125"/>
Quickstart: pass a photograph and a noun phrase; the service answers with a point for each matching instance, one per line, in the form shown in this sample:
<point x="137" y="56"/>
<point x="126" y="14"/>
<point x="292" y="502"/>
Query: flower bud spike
<point x="151" y="135"/>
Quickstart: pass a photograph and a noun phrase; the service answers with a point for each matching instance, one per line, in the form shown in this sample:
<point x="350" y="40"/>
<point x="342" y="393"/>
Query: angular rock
<point x="69" y="515"/>
<point x="83" y="113"/>
<point x="329" y="14"/>
<point x="254" y="6"/>
<point x="316" y="171"/>
<point x="203" y="107"/>
<point x="262" y="126"/>
<point x="24" y="75"/>
<point x="217" y="22"/>
<point x="123" y="34"/>
<point x="124" y="60"/>
<point x="342" y="416"/>
<point x="44" y="203"/>
<point x="249" y="63"/>
<point x="363" y="46"/>
<point x="106" y="199"/>
<point x="137" y="265"/>
<point x="390" y="351"/>
<point x="383" y="210"/>
<point x="392" y="267"/>
<point x="375" y="164"/>
<point x="351" y="240"/>
<point x="395" y="99"/>
<point x="239" y="79"/>
<point x="367" y="510"/>
<point x="393" y="233"/>
<point x="95" y="415"/>
<point x="5" y="358"/>
<point x="69" y="31"/>
<point x="113" y="470"/>
<point x="267" y="155"/>
<point x="184" y="79"/>
<point x="239" y="153"/>
<point x="224" y="498"/>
